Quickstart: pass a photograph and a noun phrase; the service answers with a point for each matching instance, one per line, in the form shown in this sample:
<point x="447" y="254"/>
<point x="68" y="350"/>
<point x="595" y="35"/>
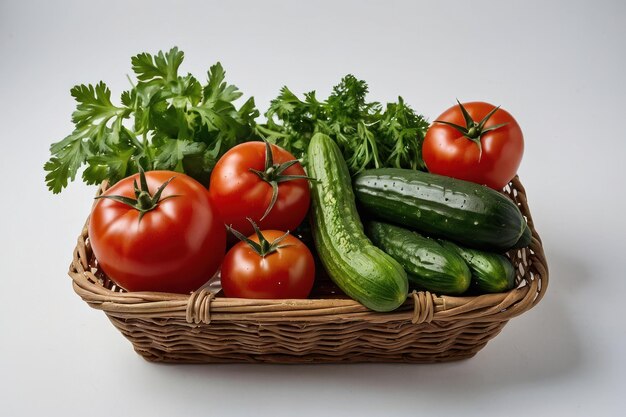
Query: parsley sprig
<point x="165" y="121"/>
<point x="369" y="135"/>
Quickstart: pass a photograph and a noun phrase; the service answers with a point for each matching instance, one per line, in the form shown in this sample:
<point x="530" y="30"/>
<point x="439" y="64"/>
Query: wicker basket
<point x="204" y="328"/>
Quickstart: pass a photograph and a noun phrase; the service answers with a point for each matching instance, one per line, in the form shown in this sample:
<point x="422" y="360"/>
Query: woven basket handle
<point x="423" y="307"/>
<point x="199" y="307"/>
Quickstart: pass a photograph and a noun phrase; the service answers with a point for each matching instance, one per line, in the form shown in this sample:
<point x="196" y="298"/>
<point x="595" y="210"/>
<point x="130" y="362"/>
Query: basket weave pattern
<point x="205" y="328"/>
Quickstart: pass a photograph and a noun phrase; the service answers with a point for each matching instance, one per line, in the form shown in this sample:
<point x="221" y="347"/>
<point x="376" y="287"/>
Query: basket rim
<point x="202" y="306"/>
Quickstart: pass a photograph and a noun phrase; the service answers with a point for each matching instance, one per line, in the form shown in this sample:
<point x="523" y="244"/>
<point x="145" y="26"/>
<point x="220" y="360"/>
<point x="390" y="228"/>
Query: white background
<point x="559" y="67"/>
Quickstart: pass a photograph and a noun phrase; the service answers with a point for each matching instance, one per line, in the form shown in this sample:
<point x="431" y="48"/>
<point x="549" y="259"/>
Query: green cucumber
<point x="363" y="271"/>
<point x="491" y="272"/>
<point x="468" y="213"/>
<point x="525" y="239"/>
<point x="428" y="264"/>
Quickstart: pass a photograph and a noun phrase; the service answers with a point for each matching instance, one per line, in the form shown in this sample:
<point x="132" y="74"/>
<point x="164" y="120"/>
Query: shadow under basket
<point x="204" y="328"/>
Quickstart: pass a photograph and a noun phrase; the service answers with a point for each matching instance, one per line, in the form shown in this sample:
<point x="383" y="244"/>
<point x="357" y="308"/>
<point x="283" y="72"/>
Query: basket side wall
<point x="162" y="340"/>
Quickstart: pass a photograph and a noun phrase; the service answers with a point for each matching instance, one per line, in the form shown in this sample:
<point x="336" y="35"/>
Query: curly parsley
<point x="369" y="135"/>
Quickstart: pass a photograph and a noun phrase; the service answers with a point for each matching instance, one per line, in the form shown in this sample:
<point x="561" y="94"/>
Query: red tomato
<point x="238" y="193"/>
<point x="448" y="151"/>
<point x="175" y="247"/>
<point x="288" y="272"/>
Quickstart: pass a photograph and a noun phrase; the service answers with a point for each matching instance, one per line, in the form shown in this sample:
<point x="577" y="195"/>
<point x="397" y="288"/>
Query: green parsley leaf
<point x="112" y="166"/>
<point x="94" y="105"/>
<point x="92" y="134"/>
<point x="217" y="89"/>
<point x="68" y="155"/>
<point x="170" y="156"/>
<point x="161" y="67"/>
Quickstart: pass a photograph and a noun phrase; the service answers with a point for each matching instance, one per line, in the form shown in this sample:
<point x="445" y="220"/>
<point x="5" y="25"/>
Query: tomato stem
<point x="264" y="247"/>
<point x="472" y="130"/>
<point x="143" y="201"/>
<point x="273" y="175"/>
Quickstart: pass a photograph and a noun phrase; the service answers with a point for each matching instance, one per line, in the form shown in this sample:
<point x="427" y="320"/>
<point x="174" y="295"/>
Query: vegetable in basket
<point x="491" y="272"/>
<point x="262" y="182"/>
<point x="157" y="231"/>
<point x="476" y="142"/>
<point x="429" y="265"/>
<point x="364" y="272"/>
<point x="269" y="264"/>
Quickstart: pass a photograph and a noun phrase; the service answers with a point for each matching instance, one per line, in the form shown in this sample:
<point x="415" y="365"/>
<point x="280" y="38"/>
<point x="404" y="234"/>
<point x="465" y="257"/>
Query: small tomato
<point x="269" y="264"/>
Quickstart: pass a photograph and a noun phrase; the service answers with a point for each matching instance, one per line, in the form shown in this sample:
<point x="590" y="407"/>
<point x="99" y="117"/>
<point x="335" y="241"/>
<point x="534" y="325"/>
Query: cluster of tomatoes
<point x="169" y="233"/>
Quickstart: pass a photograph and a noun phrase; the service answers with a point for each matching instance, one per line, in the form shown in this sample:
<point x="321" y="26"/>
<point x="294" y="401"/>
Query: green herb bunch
<point x="173" y="122"/>
<point x="165" y="121"/>
<point x="369" y="135"/>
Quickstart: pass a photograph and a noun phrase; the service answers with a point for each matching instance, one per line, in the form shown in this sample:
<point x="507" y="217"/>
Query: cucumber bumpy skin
<point x="360" y="269"/>
<point x="429" y="265"/>
<point x="438" y="206"/>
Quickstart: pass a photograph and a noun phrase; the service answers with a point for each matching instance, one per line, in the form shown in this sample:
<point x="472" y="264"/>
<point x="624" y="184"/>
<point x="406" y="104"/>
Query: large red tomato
<point x="149" y="240"/>
<point x="270" y="264"/>
<point x="249" y="177"/>
<point x="476" y="142"/>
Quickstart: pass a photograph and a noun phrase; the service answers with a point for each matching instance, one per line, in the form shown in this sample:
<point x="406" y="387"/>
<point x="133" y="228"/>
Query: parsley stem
<point x="146" y="149"/>
<point x="266" y="131"/>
